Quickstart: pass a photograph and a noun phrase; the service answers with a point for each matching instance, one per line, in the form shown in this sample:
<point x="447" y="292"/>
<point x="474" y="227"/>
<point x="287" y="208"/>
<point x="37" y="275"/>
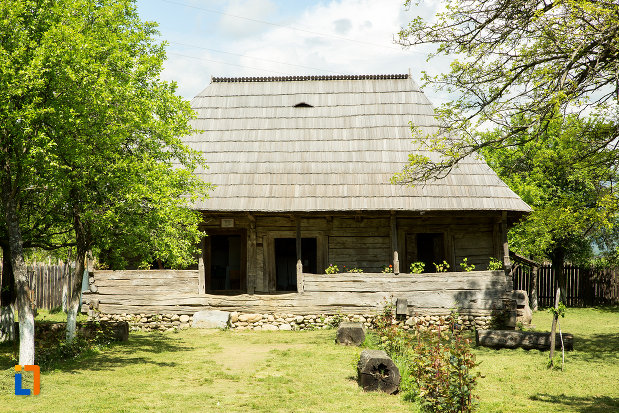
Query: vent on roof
<point x="303" y="105"/>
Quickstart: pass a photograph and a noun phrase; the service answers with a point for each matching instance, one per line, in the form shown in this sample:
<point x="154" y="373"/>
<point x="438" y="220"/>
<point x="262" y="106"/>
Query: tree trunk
<point x="22" y="288"/>
<point x="78" y="275"/>
<point x="553" y="330"/>
<point x="534" y="271"/>
<point x="558" y="264"/>
<point x="7" y="299"/>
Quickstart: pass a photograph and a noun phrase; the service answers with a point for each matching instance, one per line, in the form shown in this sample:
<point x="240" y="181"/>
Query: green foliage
<point x="97" y="132"/>
<point x="570" y="189"/>
<point x="437" y="366"/>
<point x="527" y="59"/>
<point x="558" y="312"/>
<point x="332" y="269"/>
<point x="465" y="265"/>
<point x="442" y="267"/>
<point x="494" y="264"/>
<point x="417" y="267"/>
<point x="355" y="270"/>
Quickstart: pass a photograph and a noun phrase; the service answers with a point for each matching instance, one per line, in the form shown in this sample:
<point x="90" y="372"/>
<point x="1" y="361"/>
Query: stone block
<point x="350" y="334"/>
<point x="210" y="319"/>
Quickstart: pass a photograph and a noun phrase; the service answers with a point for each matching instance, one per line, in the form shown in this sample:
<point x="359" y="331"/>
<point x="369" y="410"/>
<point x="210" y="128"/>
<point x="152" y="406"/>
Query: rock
<point x="184" y="318"/>
<point x="250" y="318"/>
<point x="234" y="317"/>
<point x="286" y="327"/>
<point x="523" y="311"/>
<point x="350" y="334"/>
<point x="269" y="327"/>
<point x="376" y="371"/>
<point x="299" y="319"/>
<point x="210" y="319"/>
<point x="175" y="317"/>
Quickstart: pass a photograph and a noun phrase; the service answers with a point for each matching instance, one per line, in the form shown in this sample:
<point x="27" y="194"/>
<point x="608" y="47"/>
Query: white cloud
<point x="335" y="37"/>
<point x="234" y="27"/>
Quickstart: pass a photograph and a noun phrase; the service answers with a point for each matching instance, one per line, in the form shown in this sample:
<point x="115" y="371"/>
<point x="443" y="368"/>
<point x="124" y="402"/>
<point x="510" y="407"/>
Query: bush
<point x="436" y="365"/>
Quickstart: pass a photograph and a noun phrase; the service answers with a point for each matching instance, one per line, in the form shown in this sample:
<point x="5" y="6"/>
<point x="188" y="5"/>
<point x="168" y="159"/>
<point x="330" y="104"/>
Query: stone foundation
<point x="282" y="321"/>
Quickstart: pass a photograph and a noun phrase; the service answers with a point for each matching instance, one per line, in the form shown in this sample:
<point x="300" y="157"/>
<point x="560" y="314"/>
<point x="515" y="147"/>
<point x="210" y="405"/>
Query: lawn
<point x="227" y="371"/>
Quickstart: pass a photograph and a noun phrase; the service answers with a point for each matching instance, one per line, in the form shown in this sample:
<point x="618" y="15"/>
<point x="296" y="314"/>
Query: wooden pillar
<point x="252" y="256"/>
<point x="201" y="269"/>
<point x="394" y="244"/>
<point x="506" y="261"/>
<point x="299" y="261"/>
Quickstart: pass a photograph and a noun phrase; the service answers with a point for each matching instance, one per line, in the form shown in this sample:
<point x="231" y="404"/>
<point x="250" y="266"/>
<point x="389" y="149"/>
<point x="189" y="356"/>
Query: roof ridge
<point x="305" y="78"/>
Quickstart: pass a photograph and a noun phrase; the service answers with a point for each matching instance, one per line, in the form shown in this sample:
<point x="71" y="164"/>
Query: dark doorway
<point x="226" y="271"/>
<point x="286" y="261"/>
<point x="430" y="250"/>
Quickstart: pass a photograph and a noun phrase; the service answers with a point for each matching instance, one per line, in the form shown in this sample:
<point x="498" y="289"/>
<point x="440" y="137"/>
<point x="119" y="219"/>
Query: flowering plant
<point x="387" y="269"/>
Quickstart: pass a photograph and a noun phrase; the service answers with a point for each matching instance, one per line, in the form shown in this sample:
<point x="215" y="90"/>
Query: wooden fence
<point x="47" y="283"/>
<point x="585" y="286"/>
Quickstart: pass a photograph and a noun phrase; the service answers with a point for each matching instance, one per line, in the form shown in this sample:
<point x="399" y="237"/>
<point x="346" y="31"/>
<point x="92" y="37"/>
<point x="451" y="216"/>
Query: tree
<point x="529" y="58"/>
<point x="85" y="117"/>
<point x="574" y="200"/>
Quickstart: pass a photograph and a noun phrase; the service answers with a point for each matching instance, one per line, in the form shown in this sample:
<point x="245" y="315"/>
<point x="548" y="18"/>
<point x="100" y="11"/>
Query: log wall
<point x="175" y="292"/>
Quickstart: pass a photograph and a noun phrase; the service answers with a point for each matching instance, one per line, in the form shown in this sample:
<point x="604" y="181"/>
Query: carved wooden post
<point x="394" y="244"/>
<point x="252" y="256"/>
<point x="201" y="270"/>
<point x="506" y="261"/>
<point x="299" y="261"/>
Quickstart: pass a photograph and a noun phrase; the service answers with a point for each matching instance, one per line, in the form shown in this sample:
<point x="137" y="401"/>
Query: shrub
<point x="436" y="365"/>
<point x="442" y="368"/>
<point x="387" y="269"/>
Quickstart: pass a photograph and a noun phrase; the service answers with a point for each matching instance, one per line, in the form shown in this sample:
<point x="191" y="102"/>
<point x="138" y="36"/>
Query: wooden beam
<point x="201" y="270"/>
<point x="252" y="257"/>
<point x="394" y="244"/>
<point x="299" y="260"/>
<point x="506" y="260"/>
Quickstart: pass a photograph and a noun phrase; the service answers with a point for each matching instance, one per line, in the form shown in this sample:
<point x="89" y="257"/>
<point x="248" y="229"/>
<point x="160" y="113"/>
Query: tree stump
<point x="527" y="340"/>
<point x="350" y="334"/>
<point x="376" y="371"/>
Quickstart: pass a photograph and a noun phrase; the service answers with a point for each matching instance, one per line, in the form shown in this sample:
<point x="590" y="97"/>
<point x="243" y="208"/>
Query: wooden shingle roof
<point x="327" y="143"/>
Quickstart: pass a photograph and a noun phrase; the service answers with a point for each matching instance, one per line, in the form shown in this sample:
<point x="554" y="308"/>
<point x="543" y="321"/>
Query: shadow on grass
<point x="122" y="354"/>
<point x="608" y="308"/>
<point x="117" y="355"/>
<point x="597" y="347"/>
<point x="593" y="404"/>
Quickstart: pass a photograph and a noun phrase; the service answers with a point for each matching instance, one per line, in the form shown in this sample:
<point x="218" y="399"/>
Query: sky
<point x="217" y="38"/>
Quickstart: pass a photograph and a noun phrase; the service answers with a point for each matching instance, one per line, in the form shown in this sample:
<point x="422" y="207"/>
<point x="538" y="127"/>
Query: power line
<point x="281" y="25"/>
<point x="251" y="57"/>
<point x="226" y="63"/>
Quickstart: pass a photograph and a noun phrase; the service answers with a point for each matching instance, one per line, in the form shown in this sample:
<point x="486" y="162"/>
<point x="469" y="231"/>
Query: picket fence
<point x="586" y="286"/>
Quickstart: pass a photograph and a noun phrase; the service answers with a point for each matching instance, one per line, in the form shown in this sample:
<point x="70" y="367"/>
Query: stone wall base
<point x="282" y="321"/>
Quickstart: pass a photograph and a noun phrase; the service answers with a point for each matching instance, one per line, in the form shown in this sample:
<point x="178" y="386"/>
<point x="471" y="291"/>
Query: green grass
<point x="228" y="371"/>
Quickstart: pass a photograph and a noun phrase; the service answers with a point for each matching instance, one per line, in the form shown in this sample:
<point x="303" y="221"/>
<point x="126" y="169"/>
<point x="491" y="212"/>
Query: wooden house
<point x="303" y="169"/>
